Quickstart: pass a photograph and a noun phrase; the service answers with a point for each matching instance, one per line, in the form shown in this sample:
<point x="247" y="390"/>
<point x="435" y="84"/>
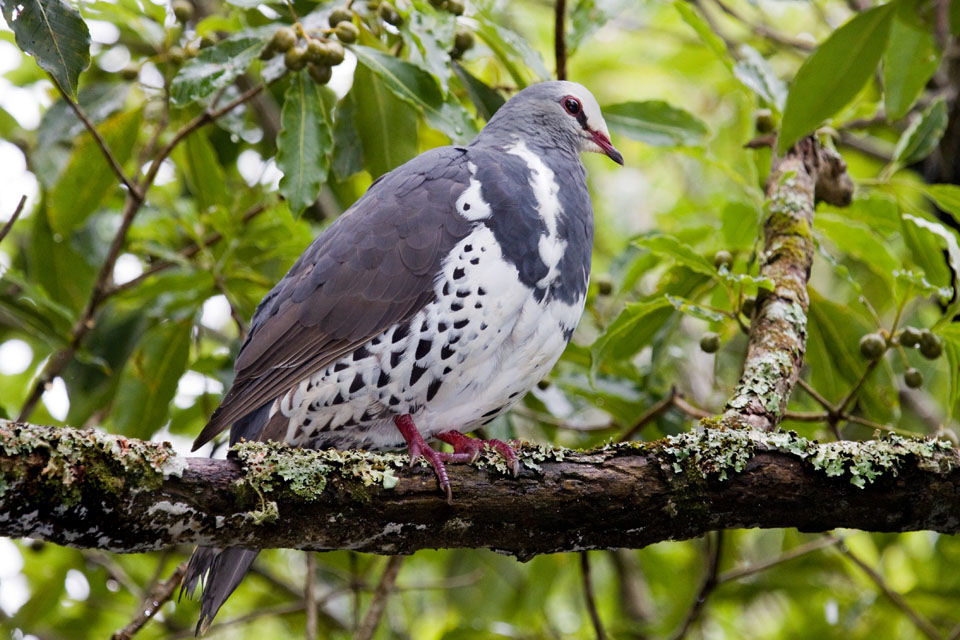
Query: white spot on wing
<point x="470" y="204"/>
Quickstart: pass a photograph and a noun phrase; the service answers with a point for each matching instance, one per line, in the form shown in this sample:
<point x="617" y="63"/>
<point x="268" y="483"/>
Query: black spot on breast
<point x="474" y="260"/>
<point x="466" y="206"/>
<point x="447" y="370"/>
<point x="478" y="305"/>
<point x="463" y="293"/>
<point x="456" y="306"/>
<point x="340" y="366"/>
<point x="394" y="401"/>
<point x="492" y="412"/>
<point x="446" y="352"/>
<point x="375" y="341"/>
<point x="337" y="399"/>
<point x="446" y="288"/>
<point x="458" y="273"/>
<point x="460" y="324"/>
<point x="383" y="380"/>
<point x="454" y="340"/>
<point x="395" y="358"/>
<point x="400" y="333"/>
<point x="423" y="348"/>
<point x="433" y="388"/>
<point x="307" y="421"/>
<point x="357" y="383"/>
<point x="483" y="326"/>
<point x="360" y="354"/>
<point x="424" y="326"/>
<point x="416" y="373"/>
<point x="481" y="291"/>
<point x="441" y="327"/>
<point x="568" y="333"/>
<point x="468" y="248"/>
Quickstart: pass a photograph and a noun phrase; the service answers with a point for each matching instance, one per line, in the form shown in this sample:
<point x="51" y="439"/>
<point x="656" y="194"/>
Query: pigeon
<point x="428" y="308"/>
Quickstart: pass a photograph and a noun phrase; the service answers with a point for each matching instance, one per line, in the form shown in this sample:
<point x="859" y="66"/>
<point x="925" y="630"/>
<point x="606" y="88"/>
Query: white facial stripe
<point x="545" y="189"/>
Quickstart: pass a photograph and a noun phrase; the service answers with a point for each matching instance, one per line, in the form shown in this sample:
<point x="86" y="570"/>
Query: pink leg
<point x="417" y="446"/>
<point x="465" y="445"/>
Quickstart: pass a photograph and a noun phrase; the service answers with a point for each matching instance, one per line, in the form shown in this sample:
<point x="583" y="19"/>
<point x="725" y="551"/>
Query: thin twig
<point x="710" y="583"/>
<point x="380" y="595"/>
<point x="679" y="402"/>
<point x="310" y="597"/>
<point x="764" y="31"/>
<point x="16" y="214"/>
<point x="560" y="38"/>
<point x="159" y="595"/>
<point x="104" y="149"/>
<point x="921" y="623"/>
<point x="801" y="550"/>
<point x="652" y="413"/>
<point x="590" y="597"/>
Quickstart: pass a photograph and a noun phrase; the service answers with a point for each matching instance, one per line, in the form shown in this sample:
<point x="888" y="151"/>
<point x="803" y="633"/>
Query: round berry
<point x="872" y="346"/>
<point x="710" y="342"/>
<point x="388" y="13"/>
<point x="347" y="32"/>
<point x="283" y="39"/>
<point x="183" y="11"/>
<point x="913" y="378"/>
<point x="722" y="258"/>
<point x="604" y="284"/>
<point x="910" y="336"/>
<point x="463" y="40"/>
<point x="296" y="58"/>
<point x="930" y="345"/>
<point x="340" y="14"/>
<point x="747" y="306"/>
<point x="455" y="7"/>
<point x="319" y="72"/>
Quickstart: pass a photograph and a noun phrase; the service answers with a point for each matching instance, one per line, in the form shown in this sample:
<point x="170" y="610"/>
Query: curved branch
<point x="84" y="488"/>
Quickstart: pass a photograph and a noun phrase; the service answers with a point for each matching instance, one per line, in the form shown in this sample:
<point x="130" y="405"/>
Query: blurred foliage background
<point x="121" y="307"/>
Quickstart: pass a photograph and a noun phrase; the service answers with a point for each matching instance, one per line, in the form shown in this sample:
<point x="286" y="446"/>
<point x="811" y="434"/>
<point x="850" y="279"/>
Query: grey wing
<point x="373" y="267"/>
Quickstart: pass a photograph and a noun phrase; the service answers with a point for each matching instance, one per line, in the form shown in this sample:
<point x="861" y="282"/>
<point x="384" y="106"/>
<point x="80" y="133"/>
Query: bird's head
<point x="561" y="110"/>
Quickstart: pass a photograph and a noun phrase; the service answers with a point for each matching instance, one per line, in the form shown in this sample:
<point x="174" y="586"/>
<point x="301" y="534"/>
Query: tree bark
<point x="90" y="489"/>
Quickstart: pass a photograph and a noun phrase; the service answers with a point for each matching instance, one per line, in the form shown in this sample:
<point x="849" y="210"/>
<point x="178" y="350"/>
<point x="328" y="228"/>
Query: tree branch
<point x="13" y="218"/>
<point x="84" y="488"/>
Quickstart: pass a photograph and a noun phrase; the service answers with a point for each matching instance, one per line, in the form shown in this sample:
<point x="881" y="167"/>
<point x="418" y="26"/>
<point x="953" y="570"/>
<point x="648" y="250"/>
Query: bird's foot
<point x="465" y="445"/>
<point x="465" y="449"/>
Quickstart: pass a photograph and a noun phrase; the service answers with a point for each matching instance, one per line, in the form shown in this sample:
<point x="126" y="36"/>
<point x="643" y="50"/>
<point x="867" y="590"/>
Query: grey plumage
<point x="429" y="307"/>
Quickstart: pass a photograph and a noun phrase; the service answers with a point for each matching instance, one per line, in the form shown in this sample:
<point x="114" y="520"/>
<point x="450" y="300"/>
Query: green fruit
<point x="913" y="378"/>
<point x="207" y="41"/>
<point x="347" y="32"/>
<point x="437" y="4"/>
<point x="910" y="336"/>
<point x="316" y="51"/>
<point x="764" y="121"/>
<point x="604" y="284"/>
<point x="722" y="258"/>
<point x="340" y="14"/>
<point x="334" y="52"/>
<point x="130" y="72"/>
<point x="455" y="7"/>
<point x="283" y="39"/>
<point x="463" y="40"/>
<point x="183" y="11"/>
<point x="930" y="345"/>
<point x="747" y="306"/>
<point x="319" y="72"/>
<point x="296" y="58"/>
<point x="388" y="13"/>
<point x="872" y="346"/>
<point x="710" y="342"/>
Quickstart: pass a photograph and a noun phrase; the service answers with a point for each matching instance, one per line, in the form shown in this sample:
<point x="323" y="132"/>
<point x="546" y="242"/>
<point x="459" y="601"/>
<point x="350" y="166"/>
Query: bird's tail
<point x="224" y="569"/>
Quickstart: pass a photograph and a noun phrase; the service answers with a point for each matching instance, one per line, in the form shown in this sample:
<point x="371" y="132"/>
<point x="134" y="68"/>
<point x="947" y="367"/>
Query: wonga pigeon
<point x="428" y="308"/>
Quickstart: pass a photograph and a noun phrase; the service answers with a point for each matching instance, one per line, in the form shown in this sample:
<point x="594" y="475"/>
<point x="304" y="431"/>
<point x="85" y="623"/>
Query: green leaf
<point x="29" y="308"/>
<point x="305" y="142"/>
<point x="910" y="284"/>
<point x="756" y="74"/>
<point x="198" y="160"/>
<point x="54" y="33"/>
<point x="590" y="15"/>
<point x="214" y="68"/>
<point x="946" y="197"/>
<point x="909" y="61"/>
<point x="415" y="86"/>
<point x="509" y="47"/>
<point x="858" y="241"/>
<point x="432" y="37"/>
<point x="632" y="330"/>
<point x="923" y="135"/>
<point x="88" y="179"/>
<point x="347" y="147"/>
<point x="149" y="379"/>
<point x="656" y="123"/>
<point x="835" y="73"/>
<point x="951" y="341"/>
<point x="485" y="99"/>
<point x="386" y="125"/>
<point x="668" y="246"/>
<point x="693" y="309"/>
<point x="712" y="40"/>
<point x="947" y="239"/>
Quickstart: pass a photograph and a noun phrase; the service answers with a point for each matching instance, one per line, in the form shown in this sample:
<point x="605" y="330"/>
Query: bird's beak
<point x="601" y="140"/>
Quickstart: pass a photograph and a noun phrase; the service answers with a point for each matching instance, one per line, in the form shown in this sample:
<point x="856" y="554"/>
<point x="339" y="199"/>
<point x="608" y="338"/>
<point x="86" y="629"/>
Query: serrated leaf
<point x="922" y="135"/>
<point x="87" y="179"/>
<point x="632" y="330"/>
<point x="485" y="99"/>
<point x="508" y="47"/>
<point x="947" y="239"/>
<point x="656" y="123"/>
<point x="54" y="33"/>
<point x="385" y="124"/>
<point x="908" y="63"/>
<point x="415" y="86"/>
<point x="305" y="142"/>
<point x="214" y="68"/>
<point x="149" y="380"/>
<point x="834" y="73"/>
<point x="668" y="246"/>
<point x="756" y="74"/>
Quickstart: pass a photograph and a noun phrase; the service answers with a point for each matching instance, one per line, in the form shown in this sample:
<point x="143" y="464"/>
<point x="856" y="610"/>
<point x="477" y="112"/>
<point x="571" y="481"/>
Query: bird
<point x="428" y="308"/>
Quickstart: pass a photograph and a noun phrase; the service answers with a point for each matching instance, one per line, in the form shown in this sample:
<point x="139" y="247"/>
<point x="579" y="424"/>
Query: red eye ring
<point x="572" y="105"/>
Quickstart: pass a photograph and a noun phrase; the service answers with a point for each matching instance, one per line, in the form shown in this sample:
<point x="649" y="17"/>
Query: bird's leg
<point x="465" y="445"/>
<point x="417" y="446"/>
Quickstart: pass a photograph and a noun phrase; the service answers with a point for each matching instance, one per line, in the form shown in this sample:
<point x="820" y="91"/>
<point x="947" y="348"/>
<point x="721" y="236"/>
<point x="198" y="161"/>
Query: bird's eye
<point x="572" y="105"/>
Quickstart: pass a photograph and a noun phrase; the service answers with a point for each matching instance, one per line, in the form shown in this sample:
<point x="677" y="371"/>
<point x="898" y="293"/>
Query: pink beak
<point x="604" y="143"/>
